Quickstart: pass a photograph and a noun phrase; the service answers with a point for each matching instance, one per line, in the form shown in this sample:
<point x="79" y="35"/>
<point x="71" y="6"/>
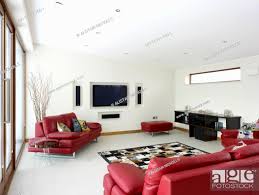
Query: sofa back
<point x="198" y="181"/>
<point x="49" y="123"/>
<point x="158" y="167"/>
<point x="187" y="182"/>
<point x="39" y="132"/>
<point x="256" y="134"/>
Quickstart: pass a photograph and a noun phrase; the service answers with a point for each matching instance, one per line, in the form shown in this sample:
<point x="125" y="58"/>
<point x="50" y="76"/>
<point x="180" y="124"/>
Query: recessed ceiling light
<point x="85" y="45"/>
<point x="185" y="53"/>
<point x="126" y="53"/>
<point x="117" y="10"/>
<point x="57" y="2"/>
<point x="224" y="41"/>
<point x="98" y="33"/>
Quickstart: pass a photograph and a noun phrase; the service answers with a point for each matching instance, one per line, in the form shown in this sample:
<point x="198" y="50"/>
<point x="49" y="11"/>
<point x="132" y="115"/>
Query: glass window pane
<point x="216" y="76"/>
<point x="19" y="98"/>
<point x="8" y="77"/>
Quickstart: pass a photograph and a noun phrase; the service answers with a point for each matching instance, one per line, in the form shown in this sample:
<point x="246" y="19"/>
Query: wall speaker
<point x="78" y="96"/>
<point x="139" y="96"/>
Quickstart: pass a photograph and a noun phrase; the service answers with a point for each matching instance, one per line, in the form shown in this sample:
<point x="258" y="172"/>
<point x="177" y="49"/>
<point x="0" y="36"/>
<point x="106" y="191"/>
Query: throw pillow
<point x="240" y="144"/>
<point x="76" y="125"/>
<point x="84" y="126"/>
<point x="62" y="127"/>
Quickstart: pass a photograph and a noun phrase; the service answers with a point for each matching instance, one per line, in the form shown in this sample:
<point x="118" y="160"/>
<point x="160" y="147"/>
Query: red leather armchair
<point x="66" y="142"/>
<point x="230" y="138"/>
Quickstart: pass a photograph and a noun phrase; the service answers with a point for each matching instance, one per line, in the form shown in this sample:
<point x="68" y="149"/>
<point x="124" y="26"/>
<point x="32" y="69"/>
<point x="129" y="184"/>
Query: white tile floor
<point x="84" y="175"/>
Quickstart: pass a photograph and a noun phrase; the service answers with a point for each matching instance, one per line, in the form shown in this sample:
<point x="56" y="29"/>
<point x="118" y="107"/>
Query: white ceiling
<point x="170" y="33"/>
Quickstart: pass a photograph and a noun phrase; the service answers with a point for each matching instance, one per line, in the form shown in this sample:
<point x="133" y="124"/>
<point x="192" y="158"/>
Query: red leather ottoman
<point x="156" y="126"/>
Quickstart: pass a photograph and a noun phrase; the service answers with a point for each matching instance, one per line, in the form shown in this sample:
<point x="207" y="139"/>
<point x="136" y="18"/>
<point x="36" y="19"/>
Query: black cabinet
<point x="203" y="126"/>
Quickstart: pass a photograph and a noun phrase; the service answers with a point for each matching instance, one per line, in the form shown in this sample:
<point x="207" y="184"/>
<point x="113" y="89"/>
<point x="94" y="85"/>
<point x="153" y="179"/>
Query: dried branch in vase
<point x="39" y="88"/>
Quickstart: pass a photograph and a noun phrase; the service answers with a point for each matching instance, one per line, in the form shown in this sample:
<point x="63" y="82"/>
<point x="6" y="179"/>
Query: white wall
<point x="242" y="97"/>
<point x="66" y="65"/>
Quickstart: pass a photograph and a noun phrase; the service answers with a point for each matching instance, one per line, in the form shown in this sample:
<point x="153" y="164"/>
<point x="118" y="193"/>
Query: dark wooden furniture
<point x="203" y="126"/>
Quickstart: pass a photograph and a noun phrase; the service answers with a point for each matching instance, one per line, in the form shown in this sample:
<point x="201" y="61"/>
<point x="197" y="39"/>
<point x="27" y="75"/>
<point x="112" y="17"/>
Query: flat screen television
<point x="109" y="95"/>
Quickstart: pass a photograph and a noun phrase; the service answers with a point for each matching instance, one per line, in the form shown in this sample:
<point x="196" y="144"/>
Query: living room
<point x="129" y="98"/>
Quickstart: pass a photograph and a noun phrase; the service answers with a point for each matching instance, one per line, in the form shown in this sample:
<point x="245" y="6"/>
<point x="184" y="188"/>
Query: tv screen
<point x="110" y="95"/>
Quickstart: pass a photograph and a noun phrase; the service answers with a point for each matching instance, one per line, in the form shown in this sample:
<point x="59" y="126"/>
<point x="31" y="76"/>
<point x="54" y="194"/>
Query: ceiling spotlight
<point x="224" y="41"/>
<point x="57" y="2"/>
<point x="98" y="33"/>
<point x="117" y="10"/>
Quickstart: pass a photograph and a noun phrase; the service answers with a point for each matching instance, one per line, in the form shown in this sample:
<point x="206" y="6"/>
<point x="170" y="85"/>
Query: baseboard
<point x="181" y="129"/>
<point x="120" y="132"/>
<point x="128" y="132"/>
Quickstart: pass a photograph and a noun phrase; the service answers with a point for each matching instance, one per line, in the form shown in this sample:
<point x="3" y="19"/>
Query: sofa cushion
<point x="76" y="125"/>
<point x="67" y="119"/>
<point x="161" y="166"/>
<point x="245" y="152"/>
<point x="117" y="191"/>
<point x="128" y="177"/>
<point x="84" y="126"/>
<point x="108" y="184"/>
<point x="62" y="127"/>
<point x="50" y="124"/>
<point x="64" y="135"/>
<point x="69" y="143"/>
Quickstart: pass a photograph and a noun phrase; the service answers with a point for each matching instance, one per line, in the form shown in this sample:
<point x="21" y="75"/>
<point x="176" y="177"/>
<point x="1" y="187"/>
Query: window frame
<point x="220" y="70"/>
<point x="8" y="173"/>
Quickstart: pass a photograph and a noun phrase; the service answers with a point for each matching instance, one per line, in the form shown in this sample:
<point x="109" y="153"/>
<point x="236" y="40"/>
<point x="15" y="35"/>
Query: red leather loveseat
<point x="63" y="142"/>
<point x="188" y="175"/>
<point x="229" y="137"/>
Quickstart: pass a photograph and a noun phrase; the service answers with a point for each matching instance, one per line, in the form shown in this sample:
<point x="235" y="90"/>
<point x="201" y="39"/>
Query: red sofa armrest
<point x="93" y="125"/>
<point x="63" y="135"/>
<point x="128" y="177"/>
<point x="41" y="142"/>
<point x="39" y="130"/>
<point x="227" y="133"/>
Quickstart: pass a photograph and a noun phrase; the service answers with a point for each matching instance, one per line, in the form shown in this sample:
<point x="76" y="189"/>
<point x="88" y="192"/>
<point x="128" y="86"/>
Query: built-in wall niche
<point x="139" y="94"/>
<point x="109" y="95"/>
<point x="109" y="115"/>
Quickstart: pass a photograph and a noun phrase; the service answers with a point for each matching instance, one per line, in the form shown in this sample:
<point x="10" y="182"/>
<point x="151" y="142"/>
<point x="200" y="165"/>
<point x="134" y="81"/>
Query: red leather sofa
<point x="230" y="137"/>
<point x="62" y="142"/>
<point x="189" y="175"/>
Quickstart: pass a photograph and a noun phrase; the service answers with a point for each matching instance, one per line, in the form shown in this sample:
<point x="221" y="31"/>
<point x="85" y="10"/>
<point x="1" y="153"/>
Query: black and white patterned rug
<point x="140" y="156"/>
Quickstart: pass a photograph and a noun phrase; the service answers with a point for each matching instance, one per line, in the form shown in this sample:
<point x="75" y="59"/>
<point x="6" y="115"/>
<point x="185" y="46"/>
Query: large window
<point x="19" y="97"/>
<point x="225" y="75"/>
<point x="12" y="99"/>
<point x="8" y="70"/>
